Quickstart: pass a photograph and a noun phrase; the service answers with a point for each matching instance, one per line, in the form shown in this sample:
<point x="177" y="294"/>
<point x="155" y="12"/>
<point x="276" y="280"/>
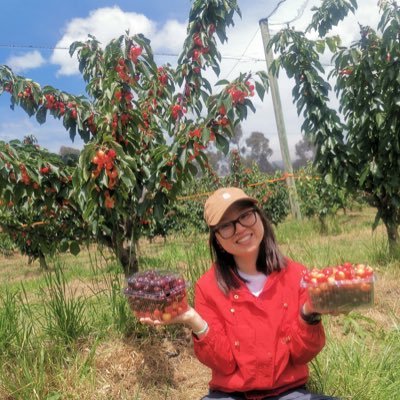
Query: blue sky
<point x="30" y="30"/>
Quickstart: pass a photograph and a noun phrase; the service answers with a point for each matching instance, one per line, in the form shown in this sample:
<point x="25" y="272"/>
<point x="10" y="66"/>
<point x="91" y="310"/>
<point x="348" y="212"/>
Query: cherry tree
<point x="357" y="146"/>
<point x="146" y="127"/>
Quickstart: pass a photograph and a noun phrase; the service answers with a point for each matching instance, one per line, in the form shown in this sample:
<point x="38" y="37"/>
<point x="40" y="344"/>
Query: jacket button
<point x="232" y="310"/>
<point x="285" y="305"/>
<point x="236" y="296"/>
<point x="237" y="344"/>
<point x="286" y="339"/>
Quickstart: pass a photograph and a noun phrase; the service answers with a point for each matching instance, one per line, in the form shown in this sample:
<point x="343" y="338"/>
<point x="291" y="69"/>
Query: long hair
<point x="269" y="258"/>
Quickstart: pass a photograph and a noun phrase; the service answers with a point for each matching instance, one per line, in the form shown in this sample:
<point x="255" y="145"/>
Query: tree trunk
<point x="42" y="262"/>
<point x="128" y="258"/>
<point x="124" y="242"/>
<point x="323" y="226"/>
<point x="392" y="229"/>
<point x="125" y="252"/>
<point x="390" y="215"/>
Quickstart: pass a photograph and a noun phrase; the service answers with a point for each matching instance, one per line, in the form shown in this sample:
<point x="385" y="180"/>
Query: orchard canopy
<point x="145" y="129"/>
<point x="358" y="145"/>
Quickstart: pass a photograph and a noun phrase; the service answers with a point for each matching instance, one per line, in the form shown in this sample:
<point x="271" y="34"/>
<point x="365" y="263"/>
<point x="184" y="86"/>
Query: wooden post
<point x="280" y="123"/>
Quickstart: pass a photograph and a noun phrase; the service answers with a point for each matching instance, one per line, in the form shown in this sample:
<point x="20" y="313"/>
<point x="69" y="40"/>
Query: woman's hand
<point x="190" y="318"/>
<point x="308" y="309"/>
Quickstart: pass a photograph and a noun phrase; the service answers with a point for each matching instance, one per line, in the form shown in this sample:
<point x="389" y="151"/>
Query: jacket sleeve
<point x="307" y="340"/>
<point x="213" y="349"/>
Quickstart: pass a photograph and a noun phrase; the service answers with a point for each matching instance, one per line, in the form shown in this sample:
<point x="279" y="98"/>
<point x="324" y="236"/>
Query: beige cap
<point x="220" y="201"/>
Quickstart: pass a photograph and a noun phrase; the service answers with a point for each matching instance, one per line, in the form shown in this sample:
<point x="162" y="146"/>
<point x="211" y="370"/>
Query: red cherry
<point x="166" y="316"/>
<point x="340" y="275"/>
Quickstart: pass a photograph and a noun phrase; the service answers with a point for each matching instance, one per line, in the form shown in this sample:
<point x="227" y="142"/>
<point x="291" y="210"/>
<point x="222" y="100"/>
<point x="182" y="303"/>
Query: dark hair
<point x="269" y="258"/>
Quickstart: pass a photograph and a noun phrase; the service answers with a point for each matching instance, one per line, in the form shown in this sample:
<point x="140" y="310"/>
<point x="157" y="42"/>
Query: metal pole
<point x="280" y="123"/>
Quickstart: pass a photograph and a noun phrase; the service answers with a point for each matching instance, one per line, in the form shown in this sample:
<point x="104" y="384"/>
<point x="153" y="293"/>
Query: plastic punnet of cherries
<point x="159" y="295"/>
<point x="341" y="288"/>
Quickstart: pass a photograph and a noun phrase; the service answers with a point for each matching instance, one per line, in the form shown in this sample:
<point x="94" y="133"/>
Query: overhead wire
<point x="38" y="47"/>
<point x="244" y="52"/>
<point x="300" y="13"/>
<point x="239" y="59"/>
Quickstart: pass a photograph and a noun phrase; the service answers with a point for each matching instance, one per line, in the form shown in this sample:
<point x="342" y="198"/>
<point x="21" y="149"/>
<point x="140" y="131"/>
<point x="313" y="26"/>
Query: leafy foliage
<point x="318" y="198"/>
<point x="356" y="146"/>
<point x="36" y="207"/>
<point x="329" y="14"/>
<point x="7" y="246"/>
<point x="146" y="127"/>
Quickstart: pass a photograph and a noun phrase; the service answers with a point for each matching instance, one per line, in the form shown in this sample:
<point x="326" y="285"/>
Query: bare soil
<point x="156" y="369"/>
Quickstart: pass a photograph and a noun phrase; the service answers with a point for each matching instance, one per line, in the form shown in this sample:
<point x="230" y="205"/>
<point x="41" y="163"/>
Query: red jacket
<point x="257" y="343"/>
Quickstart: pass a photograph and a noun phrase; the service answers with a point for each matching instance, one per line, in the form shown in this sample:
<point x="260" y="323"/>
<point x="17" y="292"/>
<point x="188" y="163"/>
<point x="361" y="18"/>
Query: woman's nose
<point x="239" y="227"/>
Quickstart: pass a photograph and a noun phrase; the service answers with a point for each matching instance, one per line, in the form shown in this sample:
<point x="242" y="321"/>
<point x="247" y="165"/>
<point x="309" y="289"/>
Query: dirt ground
<point x="153" y="369"/>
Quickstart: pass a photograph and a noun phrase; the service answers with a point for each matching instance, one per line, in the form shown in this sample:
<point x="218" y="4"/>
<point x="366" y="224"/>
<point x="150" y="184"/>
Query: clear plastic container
<point x="341" y="290"/>
<point x="159" y="295"/>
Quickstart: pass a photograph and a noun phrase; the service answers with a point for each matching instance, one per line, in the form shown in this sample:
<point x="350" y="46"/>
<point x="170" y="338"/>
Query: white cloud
<point x="110" y="22"/>
<point x="52" y="135"/>
<point x="170" y="37"/>
<point x="25" y="62"/>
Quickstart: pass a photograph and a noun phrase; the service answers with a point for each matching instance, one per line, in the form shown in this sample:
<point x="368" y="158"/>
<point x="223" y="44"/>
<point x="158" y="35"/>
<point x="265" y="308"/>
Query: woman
<point x="252" y="324"/>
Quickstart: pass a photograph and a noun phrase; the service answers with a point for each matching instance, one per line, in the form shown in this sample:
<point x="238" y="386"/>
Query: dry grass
<point x="157" y="369"/>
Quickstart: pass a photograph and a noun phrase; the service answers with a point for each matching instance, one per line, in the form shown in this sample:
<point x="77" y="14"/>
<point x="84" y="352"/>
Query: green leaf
<point x="260" y="90"/>
<point x="249" y="104"/>
<point x="222" y="82"/>
<point x="192" y="168"/>
<point x="54" y="396"/>
<point x="146" y="171"/>
<point x="328" y="179"/>
<point x="216" y="68"/>
<point x="74" y="248"/>
<point x="320" y="45"/>
<point x="64" y="245"/>
<point x="364" y="175"/>
<point x="74" y="46"/>
<point x="205" y="134"/>
<point x="41" y="115"/>
<point x="380" y="119"/>
<point x="264" y="78"/>
<point x="222" y="143"/>
<point x="332" y="43"/>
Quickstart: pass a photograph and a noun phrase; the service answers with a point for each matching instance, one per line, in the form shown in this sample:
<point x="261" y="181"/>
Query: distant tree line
<point x="255" y="149"/>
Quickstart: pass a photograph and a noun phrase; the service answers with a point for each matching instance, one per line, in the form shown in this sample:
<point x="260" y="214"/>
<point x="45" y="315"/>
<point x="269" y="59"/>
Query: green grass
<point x="68" y="333"/>
<point x="359" y="368"/>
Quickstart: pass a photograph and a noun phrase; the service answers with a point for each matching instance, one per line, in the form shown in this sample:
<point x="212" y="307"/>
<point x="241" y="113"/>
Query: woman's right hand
<point x="190" y="318"/>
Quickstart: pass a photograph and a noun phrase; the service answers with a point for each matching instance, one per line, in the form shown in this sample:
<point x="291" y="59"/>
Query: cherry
<point x="157" y="294"/>
<point x="339" y="288"/>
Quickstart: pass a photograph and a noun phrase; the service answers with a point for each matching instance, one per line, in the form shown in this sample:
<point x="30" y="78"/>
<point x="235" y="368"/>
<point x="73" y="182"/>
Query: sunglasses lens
<point x="247" y="219"/>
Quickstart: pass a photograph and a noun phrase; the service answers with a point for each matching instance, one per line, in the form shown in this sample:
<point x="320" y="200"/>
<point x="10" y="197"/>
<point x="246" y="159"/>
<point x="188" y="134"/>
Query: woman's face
<point x="248" y="230"/>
